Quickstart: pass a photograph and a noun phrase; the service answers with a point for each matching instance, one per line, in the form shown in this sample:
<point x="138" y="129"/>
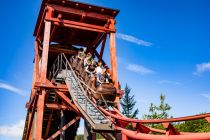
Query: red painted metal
<point x="123" y="118"/>
<point x="67" y="22"/>
<point x="63" y="128"/>
<point x="141" y="136"/>
<point x="45" y="51"/>
<point x="40" y="112"/>
<point x="67" y="101"/>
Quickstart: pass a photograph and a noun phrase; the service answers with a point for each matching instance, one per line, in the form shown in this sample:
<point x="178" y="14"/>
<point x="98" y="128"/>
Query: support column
<point x="88" y="135"/>
<point x="40" y="113"/>
<point x="118" y="136"/>
<point x="34" y="127"/>
<point x="124" y="137"/>
<point x="63" y="122"/>
<point x="36" y="63"/>
<point x="113" y="59"/>
<point x="45" y="51"/>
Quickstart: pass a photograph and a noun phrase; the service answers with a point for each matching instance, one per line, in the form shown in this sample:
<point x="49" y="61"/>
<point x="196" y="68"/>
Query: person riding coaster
<point x="87" y="60"/>
<point x="101" y="84"/>
<point x="77" y="60"/>
<point x="91" y="68"/>
<point x="81" y="53"/>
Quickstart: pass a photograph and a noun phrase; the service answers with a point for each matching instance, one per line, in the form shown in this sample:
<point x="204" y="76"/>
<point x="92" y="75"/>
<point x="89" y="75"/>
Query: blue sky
<point x="162" y="47"/>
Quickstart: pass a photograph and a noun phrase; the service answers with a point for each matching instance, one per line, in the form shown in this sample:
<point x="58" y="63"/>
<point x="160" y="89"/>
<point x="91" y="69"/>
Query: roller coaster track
<point x="103" y="119"/>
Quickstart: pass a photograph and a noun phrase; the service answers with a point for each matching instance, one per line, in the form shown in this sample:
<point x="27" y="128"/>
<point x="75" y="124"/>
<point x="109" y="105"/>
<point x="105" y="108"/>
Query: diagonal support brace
<point x="63" y="128"/>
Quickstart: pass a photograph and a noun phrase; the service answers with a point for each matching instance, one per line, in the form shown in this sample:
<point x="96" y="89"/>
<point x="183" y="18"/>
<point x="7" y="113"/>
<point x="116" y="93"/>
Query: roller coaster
<point x="62" y="90"/>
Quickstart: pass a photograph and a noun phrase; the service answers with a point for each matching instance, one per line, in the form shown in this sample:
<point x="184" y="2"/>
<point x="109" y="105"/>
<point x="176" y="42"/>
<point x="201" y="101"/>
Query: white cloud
<point x="139" y="69"/>
<point x="168" y="82"/>
<point x="133" y="39"/>
<point x="15" y="130"/>
<point x="206" y="96"/>
<point x="12" y="88"/>
<point x="201" y="68"/>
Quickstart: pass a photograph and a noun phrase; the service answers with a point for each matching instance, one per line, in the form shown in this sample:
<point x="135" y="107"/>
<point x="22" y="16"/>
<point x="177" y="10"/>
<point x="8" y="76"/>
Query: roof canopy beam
<point x="78" y="12"/>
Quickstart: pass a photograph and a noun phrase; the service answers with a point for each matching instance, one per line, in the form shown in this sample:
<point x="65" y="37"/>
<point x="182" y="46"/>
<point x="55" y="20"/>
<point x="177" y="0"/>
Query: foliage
<point x="200" y="125"/>
<point x="128" y="104"/>
<point x="81" y="137"/>
<point x="160" y="111"/>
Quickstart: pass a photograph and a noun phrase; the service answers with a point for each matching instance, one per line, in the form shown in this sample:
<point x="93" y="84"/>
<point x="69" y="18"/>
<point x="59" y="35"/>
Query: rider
<point x="81" y="53"/>
<point x="91" y="69"/>
<point x="99" y="74"/>
<point x="107" y="76"/>
<point x="88" y="59"/>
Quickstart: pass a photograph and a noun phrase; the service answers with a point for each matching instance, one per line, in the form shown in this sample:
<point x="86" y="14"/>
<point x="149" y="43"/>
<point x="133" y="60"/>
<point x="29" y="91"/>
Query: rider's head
<point x="84" y="49"/>
<point x="99" y="63"/>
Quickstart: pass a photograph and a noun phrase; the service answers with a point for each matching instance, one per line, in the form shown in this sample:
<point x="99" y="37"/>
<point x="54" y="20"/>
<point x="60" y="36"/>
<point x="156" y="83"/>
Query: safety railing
<point x="62" y="63"/>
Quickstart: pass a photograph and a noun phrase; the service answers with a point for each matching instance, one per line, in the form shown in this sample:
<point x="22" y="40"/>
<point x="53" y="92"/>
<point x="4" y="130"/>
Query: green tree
<point x="200" y="125"/>
<point x="128" y="104"/>
<point x="159" y="111"/>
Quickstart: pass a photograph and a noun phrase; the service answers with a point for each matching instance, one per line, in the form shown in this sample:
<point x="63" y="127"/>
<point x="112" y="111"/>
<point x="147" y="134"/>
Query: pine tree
<point x="128" y="104"/>
<point x="160" y="111"/>
<point x="163" y="108"/>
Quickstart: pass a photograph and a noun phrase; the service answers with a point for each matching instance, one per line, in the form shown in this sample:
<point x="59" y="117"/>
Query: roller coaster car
<point x="106" y="91"/>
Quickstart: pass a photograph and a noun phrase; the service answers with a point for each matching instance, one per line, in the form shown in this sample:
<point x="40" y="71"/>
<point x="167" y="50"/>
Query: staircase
<point x="89" y="111"/>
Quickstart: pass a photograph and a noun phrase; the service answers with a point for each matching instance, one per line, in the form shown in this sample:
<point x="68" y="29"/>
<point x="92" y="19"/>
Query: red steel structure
<point x="53" y="109"/>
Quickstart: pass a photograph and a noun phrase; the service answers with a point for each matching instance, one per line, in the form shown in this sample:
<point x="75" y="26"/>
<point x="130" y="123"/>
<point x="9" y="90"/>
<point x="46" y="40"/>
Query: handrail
<point x="180" y="119"/>
<point x="63" y="61"/>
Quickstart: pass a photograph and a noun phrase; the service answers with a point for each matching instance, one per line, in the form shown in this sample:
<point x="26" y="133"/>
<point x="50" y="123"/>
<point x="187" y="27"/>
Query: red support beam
<point x="48" y="125"/>
<point x="53" y="32"/>
<point x="80" y="25"/>
<point x="31" y="117"/>
<point x="141" y="128"/>
<point x="74" y="30"/>
<point x="97" y="41"/>
<point x="102" y="47"/>
<point x="208" y="119"/>
<point x="170" y="130"/>
<point x="67" y="101"/>
<point x="45" y="51"/>
<point x="79" y="12"/>
<point x="36" y="63"/>
<point x="63" y="128"/>
<point x="113" y="59"/>
<point x="57" y="106"/>
<point x="40" y="112"/>
<point x="50" y="86"/>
